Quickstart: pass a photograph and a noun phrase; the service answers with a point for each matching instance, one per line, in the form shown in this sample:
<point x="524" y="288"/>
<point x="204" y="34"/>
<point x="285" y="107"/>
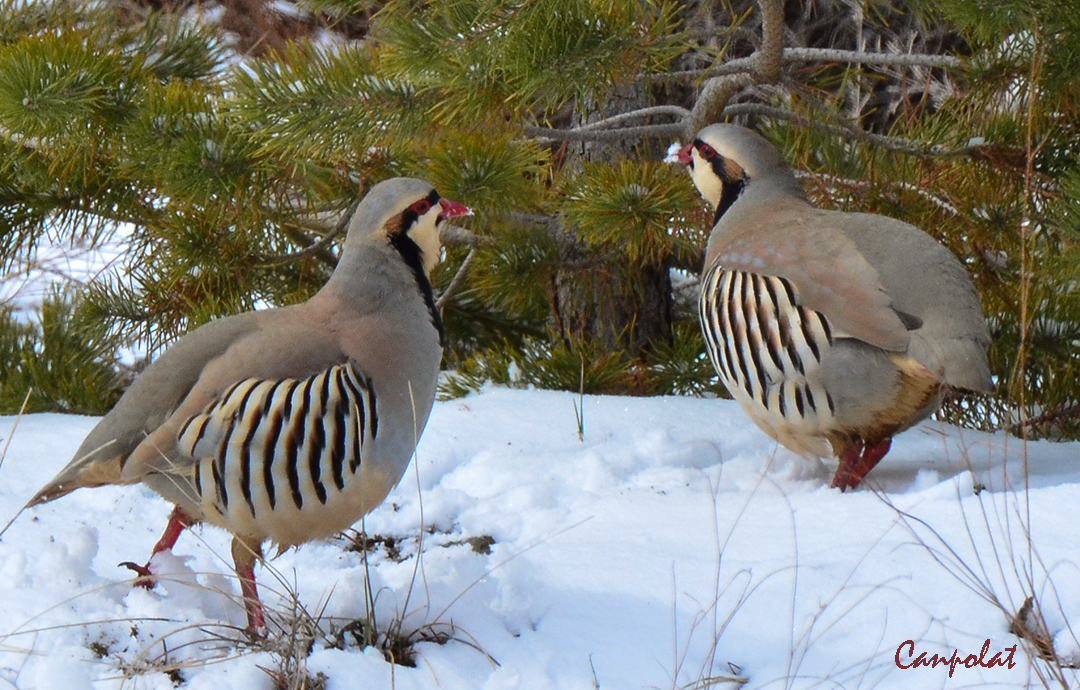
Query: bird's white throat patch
<point x="426" y="235"/>
<point x="706" y="180"/>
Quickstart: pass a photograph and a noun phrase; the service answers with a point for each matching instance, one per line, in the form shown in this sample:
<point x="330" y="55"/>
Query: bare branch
<point x="601" y="129"/>
<point x="747" y="64"/>
<point x="550" y="221"/>
<point x="709" y="105"/>
<point x="316" y="248"/>
<point x="936" y="199"/>
<point x="856" y="133"/>
<point x="672" y="129"/>
<point x="769" y="58"/>
<point x="675" y="110"/>
<point x="457" y="236"/>
<point x="735" y="66"/>
<point x="765" y="68"/>
<point x="456" y="281"/>
<point x="892" y="59"/>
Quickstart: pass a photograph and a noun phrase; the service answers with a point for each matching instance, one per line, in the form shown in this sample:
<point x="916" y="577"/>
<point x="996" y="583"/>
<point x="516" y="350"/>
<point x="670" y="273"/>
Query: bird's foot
<point x="145" y="578"/>
<point x="178" y="522"/>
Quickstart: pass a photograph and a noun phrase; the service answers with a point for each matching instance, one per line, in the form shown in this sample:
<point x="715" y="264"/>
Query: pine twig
<point x="856" y="56"/>
<point x="1059" y="416"/>
<point x="601" y="130"/>
<point x="936" y="199"/>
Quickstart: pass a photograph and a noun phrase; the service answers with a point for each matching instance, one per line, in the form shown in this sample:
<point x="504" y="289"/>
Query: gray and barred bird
<point x="834" y="331"/>
<point x="288" y="425"/>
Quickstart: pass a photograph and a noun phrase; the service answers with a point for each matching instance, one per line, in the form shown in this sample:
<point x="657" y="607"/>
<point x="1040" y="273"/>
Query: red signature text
<point x="970" y="661"/>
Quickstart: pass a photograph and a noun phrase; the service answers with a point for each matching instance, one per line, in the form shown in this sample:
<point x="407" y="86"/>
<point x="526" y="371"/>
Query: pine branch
<point x="769" y="58"/>
<point x="859" y="57"/>
<point x="600" y="129"/>
<point x="605" y="123"/>
<point x="713" y="98"/>
<point x="535" y="218"/>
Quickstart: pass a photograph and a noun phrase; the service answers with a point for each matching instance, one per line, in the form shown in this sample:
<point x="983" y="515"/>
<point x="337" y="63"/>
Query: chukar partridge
<point x="834" y="331"/>
<point x="289" y="424"/>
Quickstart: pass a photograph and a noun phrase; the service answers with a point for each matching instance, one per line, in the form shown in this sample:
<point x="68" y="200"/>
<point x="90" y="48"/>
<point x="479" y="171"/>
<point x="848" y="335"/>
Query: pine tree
<point x="234" y="156"/>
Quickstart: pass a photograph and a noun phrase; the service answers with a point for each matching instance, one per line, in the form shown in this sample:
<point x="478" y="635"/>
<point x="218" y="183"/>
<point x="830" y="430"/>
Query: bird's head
<point x="408" y="212"/>
<point x="717" y="160"/>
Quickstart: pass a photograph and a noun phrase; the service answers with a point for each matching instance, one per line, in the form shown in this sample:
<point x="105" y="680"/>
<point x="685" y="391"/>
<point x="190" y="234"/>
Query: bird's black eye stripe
<point x="412" y="255"/>
<point x="409" y="216"/>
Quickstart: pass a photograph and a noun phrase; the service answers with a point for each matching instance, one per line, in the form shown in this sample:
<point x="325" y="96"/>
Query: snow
<point x="54" y="263"/>
<point x="672" y="545"/>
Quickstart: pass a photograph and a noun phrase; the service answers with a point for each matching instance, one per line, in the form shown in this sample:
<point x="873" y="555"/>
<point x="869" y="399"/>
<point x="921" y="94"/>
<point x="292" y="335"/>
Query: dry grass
<point x="1000" y="562"/>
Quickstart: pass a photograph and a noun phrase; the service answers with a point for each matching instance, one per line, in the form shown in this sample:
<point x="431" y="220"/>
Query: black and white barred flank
<point x="764" y="345"/>
<point x="273" y="445"/>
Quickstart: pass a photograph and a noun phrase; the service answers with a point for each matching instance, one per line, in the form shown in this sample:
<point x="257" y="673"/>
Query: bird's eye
<point x="707" y="152"/>
<point x="421" y="207"/>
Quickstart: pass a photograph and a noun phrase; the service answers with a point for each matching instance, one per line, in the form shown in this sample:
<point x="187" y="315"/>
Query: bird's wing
<point x="286" y="350"/>
<point x="151" y="399"/>
<point x="828" y="273"/>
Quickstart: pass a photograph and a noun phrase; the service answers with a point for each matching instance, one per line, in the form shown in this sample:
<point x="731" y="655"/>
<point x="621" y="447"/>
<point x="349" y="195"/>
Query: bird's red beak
<point x="452" y="209"/>
<point x="684" y="156"/>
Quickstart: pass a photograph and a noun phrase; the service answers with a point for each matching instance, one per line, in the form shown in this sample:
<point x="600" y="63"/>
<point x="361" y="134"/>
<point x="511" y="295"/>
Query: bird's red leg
<point x="245" y="553"/>
<point x="857" y="462"/>
<point x="256" y="624"/>
<point x="178" y="522"/>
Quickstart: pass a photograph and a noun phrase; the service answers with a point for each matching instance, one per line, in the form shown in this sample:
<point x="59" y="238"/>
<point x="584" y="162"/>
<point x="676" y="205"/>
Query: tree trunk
<point x="598" y="297"/>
